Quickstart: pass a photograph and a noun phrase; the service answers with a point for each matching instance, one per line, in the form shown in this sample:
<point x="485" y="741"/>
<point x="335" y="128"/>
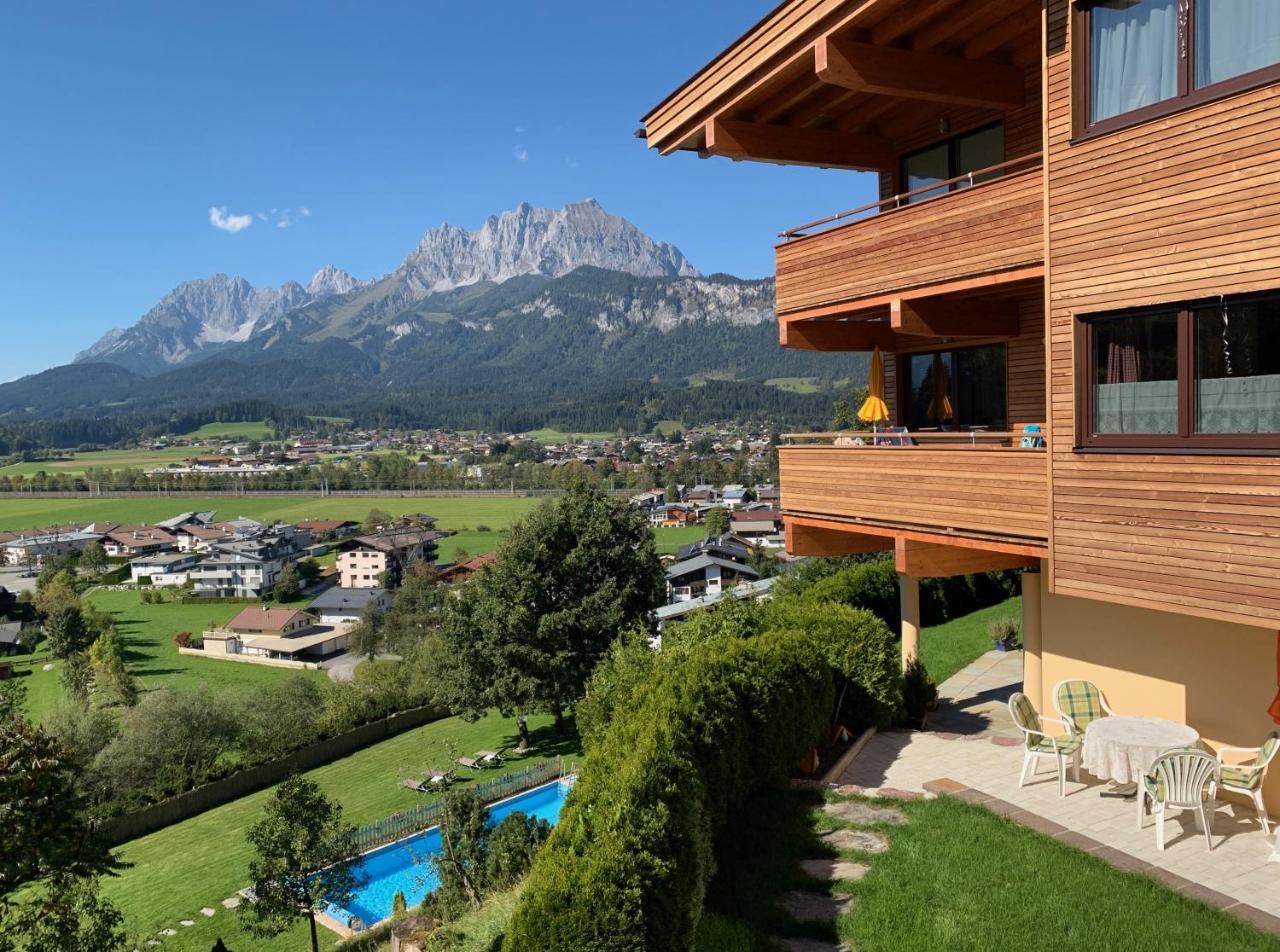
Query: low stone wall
<point x="185" y="805"/>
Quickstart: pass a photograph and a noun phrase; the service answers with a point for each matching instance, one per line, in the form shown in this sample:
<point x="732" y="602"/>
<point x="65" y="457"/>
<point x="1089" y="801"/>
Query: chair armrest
<point x="1238" y="750"/>
<point x="1049" y="737"/>
<point x="1061" y="722"/>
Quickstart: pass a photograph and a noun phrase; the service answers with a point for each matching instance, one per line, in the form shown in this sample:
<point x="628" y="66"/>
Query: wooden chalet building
<point x="1072" y="269"/>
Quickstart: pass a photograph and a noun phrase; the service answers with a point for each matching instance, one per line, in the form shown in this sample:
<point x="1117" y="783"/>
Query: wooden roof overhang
<point x="833" y="83"/>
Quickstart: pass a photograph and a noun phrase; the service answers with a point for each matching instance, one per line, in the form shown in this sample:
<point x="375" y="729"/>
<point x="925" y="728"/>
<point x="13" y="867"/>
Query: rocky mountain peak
<point x="330" y="280"/>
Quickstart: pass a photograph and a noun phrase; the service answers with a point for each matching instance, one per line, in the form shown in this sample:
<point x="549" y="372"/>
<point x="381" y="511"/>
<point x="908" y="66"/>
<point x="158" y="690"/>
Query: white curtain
<point x="1147" y="407"/>
<point x="1135" y="54"/>
<point x="1234" y="37"/>
<point x="1238" y="405"/>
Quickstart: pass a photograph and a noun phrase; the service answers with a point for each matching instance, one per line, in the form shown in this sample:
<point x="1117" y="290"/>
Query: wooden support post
<point x="909" y="595"/>
<point x="1032" y="641"/>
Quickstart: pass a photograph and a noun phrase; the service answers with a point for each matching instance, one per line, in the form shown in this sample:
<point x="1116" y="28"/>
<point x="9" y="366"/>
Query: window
<point x="1145" y="58"/>
<point x="958" y="156"/>
<point x="1201" y="375"/>
<point x="956" y="389"/>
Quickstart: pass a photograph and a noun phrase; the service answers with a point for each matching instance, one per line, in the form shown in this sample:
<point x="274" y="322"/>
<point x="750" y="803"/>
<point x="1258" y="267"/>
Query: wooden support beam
<point x="786" y="145"/>
<point x="835" y="336"/>
<point x="927" y="560"/>
<point x="933" y="77"/>
<point x="821" y="543"/>
<point x="976" y="317"/>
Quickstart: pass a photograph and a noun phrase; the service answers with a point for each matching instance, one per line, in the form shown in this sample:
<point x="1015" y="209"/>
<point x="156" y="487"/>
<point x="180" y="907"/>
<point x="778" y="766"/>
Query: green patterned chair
<point x="1079" y="703"/>
<point x="1181" y="779"/>
<point x="1246" y="778"/>
<point x="1038" y="745"/>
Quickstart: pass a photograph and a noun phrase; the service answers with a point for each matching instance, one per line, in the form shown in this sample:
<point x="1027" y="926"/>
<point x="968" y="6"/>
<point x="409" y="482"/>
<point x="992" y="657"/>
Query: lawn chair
<point x="1079" y="703"/>
<point x="1182" y="779"/>
<point x="469" y="762"/>
<point x="489" y="758"/>
<point x="441" y="779"/>
<point x="892" y="436"/>
<point x="1246" y="778"/>
<point x="1038" y="745"/>
<point x="417" y="786"/>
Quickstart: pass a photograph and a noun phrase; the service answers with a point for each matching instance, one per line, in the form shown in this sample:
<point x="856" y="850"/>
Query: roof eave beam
<point x="933" y="77"/>
<point x="786" y="145"/>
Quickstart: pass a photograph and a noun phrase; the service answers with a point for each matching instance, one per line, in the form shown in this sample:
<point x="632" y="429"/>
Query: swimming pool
<point x="404" y="866"/>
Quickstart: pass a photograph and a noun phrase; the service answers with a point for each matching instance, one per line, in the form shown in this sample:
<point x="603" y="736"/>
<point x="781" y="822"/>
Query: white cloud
<point x="220" y="219"/>
<point x="304" y="211"/>
<point x="262" y="216"/>
<point x="521" y="153"/>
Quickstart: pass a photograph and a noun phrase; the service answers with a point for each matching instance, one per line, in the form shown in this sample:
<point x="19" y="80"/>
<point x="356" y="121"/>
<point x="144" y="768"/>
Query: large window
<point x="1143" y="58"/>
<point x="958" y="156"/>
<point x="1200" y="375"/>
<point x="956" y="389"/>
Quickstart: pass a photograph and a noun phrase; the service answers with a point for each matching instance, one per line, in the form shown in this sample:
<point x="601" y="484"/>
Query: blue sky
<point x="356" y="127"/>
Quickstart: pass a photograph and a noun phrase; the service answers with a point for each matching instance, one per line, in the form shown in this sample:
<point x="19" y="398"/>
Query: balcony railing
<point x="983" y="485"/>
<point x="990" y="220"/>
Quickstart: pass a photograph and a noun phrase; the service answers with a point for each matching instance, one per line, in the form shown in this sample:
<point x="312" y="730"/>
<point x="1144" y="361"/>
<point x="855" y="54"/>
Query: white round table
<point x="1124" y="748"/>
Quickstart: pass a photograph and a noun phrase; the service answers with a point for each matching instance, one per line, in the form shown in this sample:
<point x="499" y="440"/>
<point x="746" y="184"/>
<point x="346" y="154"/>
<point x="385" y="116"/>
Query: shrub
<point x="918" y="691"/>
<point x="872" y="585"/>
<point x="628" y="864"/>
<point x="483" y="528"/>
<point x="182" y="639"/>
<point x="1005" y="631"/>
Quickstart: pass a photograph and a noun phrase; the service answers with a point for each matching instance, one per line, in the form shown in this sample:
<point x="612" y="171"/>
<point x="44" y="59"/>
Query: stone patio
<point x="971" y="740"/>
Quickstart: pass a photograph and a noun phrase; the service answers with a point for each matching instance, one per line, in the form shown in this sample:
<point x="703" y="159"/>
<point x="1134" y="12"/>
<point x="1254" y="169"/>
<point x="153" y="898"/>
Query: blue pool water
<point x="405" y="866"/>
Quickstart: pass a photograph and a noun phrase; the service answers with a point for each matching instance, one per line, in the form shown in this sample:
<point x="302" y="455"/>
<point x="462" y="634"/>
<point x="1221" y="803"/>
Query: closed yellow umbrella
<point x="873" y="410"/>
<point x="940" y="406"/>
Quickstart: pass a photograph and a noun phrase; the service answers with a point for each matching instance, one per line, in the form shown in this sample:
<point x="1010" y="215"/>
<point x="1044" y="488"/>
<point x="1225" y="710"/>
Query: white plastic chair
<point x="1246" y="778"/>
<point x="1038" y="745"/>
<point x="1181" y="779"/>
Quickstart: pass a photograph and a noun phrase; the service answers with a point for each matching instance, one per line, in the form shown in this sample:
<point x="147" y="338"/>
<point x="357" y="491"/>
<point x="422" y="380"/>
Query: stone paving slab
<point x="207" y="912"/>
<point x="864" y="841"/>
<point x="863" y="814"/>
<point x="231" y="902"/>
<point x="834" y="870"/>
<point x="805" y="906"/>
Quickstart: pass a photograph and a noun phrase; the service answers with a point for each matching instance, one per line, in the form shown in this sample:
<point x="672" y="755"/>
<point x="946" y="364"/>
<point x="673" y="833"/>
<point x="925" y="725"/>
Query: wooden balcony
<point x="984" y="488"/>
<point x="918" y="244"/>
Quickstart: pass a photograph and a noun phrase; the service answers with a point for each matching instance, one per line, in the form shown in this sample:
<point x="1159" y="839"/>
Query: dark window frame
<point x="952" y="142"/>
<point x="902" y="383"/>
<point x="1186" y="439"/>
<point x="1188" y="96"/>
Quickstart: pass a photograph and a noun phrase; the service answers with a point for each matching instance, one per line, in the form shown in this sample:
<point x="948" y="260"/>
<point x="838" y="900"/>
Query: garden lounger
<point x="415" y="785"/>
<point x="469" y="762"/>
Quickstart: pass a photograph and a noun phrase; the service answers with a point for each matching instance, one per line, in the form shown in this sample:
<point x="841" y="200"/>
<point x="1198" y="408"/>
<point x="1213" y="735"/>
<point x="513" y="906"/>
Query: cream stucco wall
<point x="1219" y="678"/>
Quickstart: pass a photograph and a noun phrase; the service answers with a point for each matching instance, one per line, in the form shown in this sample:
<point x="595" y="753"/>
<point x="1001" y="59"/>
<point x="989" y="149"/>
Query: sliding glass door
<point x="956" y="390"/>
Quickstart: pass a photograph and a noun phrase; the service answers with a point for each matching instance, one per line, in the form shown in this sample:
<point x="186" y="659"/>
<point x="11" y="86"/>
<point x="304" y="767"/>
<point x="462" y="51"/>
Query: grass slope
<point x="955" y="877"/>
<point x="946" y="648"/>
<point x="243" y="430"/>
<point x="79" y="463"/>
<point x="201" y="861"/>
<point x="548" y="435"/>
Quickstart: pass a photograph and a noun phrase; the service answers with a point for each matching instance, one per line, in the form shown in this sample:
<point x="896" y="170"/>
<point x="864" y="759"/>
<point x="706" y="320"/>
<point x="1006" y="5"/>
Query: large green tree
<point x="303" y="851"/>
<point x="717" y="521"/>
<point x="526" y="633"/>
<point x="66" y="631"/>
<point x="52" y="856"/>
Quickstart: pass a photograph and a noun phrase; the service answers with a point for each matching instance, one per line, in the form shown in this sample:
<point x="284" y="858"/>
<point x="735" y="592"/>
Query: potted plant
<point x="1004" y="634"/>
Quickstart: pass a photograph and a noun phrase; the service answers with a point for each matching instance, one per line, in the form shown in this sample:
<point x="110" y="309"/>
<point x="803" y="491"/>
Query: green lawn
<point x="152" y="655"/>
<point x="946" y="648"/>
<point x="671" y="538"/>
<point x="793" y="384"/>
<point x="203" y="860"/>
<point x="98" y="459"/>
<point x="955" y="877"/>
<point x="497" y="512"/>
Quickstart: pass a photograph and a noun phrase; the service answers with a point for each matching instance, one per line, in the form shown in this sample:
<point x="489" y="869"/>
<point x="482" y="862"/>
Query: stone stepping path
<point x="207" y="912"/>
<point x="805" y="906"/>
<point x="863" y="841"/>
<point x="167" y="932"/>
<point x="231" y="903"/>
<point x="862" y="814"/>
<point x="834" y="870"/>
<point x="186" y="922"/>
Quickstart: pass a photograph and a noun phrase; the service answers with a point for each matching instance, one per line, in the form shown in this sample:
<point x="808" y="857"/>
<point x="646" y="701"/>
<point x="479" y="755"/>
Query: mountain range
<point x="552" y="304"/>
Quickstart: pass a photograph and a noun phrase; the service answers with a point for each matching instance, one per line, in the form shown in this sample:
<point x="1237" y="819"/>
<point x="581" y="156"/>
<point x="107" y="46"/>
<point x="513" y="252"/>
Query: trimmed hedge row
<point x="627" y="866"/>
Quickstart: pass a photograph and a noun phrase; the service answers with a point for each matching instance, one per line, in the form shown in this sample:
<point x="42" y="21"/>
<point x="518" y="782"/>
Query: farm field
<point x="99" y="459"/>
<point x="243" y="430"/>
<point x="548" y="435"/>
<point x="199" y="862"/>
<point x="147" y="632"/>
<point x="793" y="384"/>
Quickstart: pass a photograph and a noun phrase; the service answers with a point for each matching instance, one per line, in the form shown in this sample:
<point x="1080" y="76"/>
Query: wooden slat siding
<point x="987" y="491"/>
<point x="1026" y="379"/>
<point x="1182" y="207"/>
<point x="995" y="227"/>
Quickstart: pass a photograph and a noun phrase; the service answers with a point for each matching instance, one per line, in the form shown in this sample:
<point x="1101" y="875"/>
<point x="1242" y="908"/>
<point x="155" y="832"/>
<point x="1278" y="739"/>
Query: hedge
<point x="627" y="866"/>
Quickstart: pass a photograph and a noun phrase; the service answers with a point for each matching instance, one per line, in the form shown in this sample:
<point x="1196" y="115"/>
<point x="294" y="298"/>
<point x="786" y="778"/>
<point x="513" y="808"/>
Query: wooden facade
<point x="1172" y="209"/>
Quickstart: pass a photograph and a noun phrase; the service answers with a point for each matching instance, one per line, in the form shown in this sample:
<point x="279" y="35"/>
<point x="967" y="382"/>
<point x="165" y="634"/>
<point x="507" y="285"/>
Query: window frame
<point x="902" y="382"/>
<point x="1188" y="96"/>
<point x="1186" y="439"/>
<point x="952" y="142"/>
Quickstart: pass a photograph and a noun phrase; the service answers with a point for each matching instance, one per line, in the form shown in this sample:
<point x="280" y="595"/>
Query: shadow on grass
<point x="757" y="861"/>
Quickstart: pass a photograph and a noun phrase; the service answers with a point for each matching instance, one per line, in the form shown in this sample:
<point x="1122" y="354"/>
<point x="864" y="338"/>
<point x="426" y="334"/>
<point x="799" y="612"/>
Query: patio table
<point x="1124" y="748"/>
